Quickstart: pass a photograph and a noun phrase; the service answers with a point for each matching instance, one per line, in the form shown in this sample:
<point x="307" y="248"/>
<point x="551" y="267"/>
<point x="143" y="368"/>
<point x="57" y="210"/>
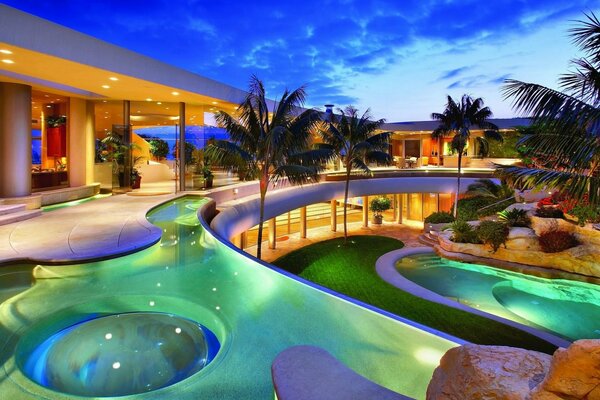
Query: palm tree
<point x="457" y="119"/>
<point x="269" y="146"/>
<point x="568" y="122"/>
<point x="354" y="140"/>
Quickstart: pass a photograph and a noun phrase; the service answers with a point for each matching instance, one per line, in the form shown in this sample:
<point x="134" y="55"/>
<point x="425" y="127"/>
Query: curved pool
<point x="570" y="309"/>
<point x="253" y="311"/>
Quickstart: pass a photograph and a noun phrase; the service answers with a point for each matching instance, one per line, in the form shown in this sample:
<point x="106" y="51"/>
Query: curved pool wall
<point x="254" y="311"/>
<point x="553" y="309"/>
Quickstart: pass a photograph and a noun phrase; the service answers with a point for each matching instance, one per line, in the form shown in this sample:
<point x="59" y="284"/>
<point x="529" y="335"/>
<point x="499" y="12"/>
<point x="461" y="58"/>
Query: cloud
<point x="453" y="73"/>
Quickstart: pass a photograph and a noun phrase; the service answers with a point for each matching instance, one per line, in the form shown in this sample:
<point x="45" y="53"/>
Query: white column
<point x="81" y="144"/>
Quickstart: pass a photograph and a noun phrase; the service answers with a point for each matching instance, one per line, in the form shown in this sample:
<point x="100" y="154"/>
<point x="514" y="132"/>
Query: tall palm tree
<point x="458" y="119"/>
<point x="353" y="139"/>
<point x="269" y="146"/>
<point x="567" y="141"/>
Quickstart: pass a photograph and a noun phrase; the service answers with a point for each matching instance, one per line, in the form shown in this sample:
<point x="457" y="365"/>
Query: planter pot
<point x="209" y="182"/>
<point x="135" y="184"/>
<point x="378" y="219"/>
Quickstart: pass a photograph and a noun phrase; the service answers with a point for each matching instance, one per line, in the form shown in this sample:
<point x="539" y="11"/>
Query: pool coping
<point x="386" y="269"/>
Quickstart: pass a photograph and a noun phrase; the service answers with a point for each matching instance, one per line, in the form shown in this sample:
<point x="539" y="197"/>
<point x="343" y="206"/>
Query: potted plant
<point x="208" y="176"/>
<point x="56" y="136"/>
<point x="379" y="205"/>
<point x="136" y="178"/>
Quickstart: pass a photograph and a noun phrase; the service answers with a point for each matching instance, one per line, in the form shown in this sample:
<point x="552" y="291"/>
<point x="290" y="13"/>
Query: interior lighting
<point x="7" y="61"/>
<point x="148" y="99"/>
<point x="5" y="51"/>
<point x="214" y="102"/>
<point x="113" y="78"/>
<point x="106" y="86"/>
<point x="175" y="93"/>
<point x="159" y="102"/>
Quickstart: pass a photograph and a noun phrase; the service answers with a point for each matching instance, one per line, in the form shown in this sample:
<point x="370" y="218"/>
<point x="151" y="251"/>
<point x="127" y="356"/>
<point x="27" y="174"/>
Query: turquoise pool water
<point x="254" y="313"/>
<point x="567" y="308"/>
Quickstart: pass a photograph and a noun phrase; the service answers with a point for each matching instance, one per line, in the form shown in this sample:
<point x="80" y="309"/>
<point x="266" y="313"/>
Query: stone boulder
<point x="487" y="372"/>
<point x="574" y="373"/>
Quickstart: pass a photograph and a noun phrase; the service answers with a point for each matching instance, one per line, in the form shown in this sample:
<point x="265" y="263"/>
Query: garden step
<point x="19" y="216"/>
<point x="11" y="208"/>
<point x="426" y="239"/>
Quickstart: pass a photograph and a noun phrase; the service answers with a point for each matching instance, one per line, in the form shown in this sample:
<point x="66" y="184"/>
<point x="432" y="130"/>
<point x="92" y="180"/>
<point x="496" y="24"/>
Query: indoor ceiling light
<point x="5" y="51"/>
<point x="106" y="86"/>
<point x="175" y="93"/>
<point x="148" y="99"/>
<point x="214" y="102"/>
<point x="113" y="78"/>
<point x="7" y="61"/>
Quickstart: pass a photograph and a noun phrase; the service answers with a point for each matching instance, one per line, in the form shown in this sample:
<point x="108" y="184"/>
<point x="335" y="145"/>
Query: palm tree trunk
<point x="346" y="204"/>
<point x="261" y="218"/>
<point x="457" y="185"/>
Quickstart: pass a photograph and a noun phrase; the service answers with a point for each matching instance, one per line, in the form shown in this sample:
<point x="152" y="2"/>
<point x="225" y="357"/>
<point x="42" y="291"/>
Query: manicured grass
<point x="350" y="269"/>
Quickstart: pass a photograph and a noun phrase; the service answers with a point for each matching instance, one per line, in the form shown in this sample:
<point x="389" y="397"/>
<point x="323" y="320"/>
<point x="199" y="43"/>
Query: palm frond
<point x="296" y="174"/>
<point x="587" y="36"/>
<point x="360" y="165"/>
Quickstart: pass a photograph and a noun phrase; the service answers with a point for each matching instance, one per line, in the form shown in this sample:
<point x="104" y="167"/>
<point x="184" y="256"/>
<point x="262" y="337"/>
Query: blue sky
<point x="400" y="58"/>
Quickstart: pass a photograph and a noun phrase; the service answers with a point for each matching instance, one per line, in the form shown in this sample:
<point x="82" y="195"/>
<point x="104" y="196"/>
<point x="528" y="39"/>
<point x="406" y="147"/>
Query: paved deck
<point x="97" y="229"/>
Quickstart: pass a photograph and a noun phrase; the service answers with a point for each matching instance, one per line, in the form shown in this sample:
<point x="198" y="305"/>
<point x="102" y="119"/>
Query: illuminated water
<point x="253" y="311"/>
<point x="570" y="309"/>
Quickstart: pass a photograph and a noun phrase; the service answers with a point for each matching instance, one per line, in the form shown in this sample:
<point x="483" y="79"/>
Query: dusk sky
<point x="400" y="58"/>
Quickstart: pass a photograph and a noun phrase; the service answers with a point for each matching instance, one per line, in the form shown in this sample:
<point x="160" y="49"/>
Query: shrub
<point x="554" y="241"/>
<point x="380" y="204"/>
<point x="463" y="233"/>
<point x="585" y="213"/>
<point x="549" y="212"/>
<point x="439" y="217"/>
<point x="515" y="217"/>
<point x="493" y="233"/>
<point x="470" y="208"/>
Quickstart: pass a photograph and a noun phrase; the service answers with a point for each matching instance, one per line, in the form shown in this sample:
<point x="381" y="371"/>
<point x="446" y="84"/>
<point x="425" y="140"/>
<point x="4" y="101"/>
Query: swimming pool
<point x="254" y="312"/>
<point x="567" y="308"/>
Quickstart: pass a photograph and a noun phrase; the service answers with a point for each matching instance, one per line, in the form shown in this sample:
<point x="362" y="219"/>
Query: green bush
<point x="439" y="217"/>
<point x="380" y="204"/>
<point x="554" y="241"/>
<point x="585" y="213"/>
<point x="515" y="217"/>
<point x="549" y="212"/>
<point x="493" y="233"/>
<point x="469" y="208"/>
<point x="462" y="232"/>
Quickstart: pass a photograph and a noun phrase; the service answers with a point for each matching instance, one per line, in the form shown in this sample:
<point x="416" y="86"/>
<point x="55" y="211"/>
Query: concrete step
<point x="427" y="240"/>
<point x="19" y="216"/>
<point x="11" y="208"/>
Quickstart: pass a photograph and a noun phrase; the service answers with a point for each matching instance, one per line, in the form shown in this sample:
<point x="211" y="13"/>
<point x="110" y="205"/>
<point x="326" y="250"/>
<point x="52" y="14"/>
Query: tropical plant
<point x="514" y="218"/>
<point x="585" y="213"/>
<point x="570" y="123"/>
<point x="458" y="119"/>
<point x="159" y="148"/>
<point x="488" y="188"/>
<point x="439" y="217"/>
<point x="353" y="138"/>
<point x="463" y="232"/>
<point x="549" y="212"/>
<point x="493" y="233"/>
<point x="269" y="146"/>
<point x="55" y="121"/>
<point x="380" y="204"/>
<point x="554" y="241"/>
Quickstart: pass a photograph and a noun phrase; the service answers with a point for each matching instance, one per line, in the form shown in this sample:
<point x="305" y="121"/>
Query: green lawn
<point x="350" y="270"/>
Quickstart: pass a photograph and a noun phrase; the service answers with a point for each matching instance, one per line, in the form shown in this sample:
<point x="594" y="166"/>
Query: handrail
<point x="494" y="204"/>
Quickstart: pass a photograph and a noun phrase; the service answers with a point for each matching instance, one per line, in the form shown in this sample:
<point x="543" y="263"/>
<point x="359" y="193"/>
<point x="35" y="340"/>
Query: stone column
<point x="272" y="233"/>
<point x="365" y="213"/>
<point x="303" y="222"/>
<point x="15" y="140"/>
<point x="333" y="215"/>
<point x="81" y="142"/>
<point x="399" y="208"/>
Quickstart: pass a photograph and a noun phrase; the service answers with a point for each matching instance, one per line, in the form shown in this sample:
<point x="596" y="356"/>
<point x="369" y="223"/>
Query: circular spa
<point x="120" y="354"/>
